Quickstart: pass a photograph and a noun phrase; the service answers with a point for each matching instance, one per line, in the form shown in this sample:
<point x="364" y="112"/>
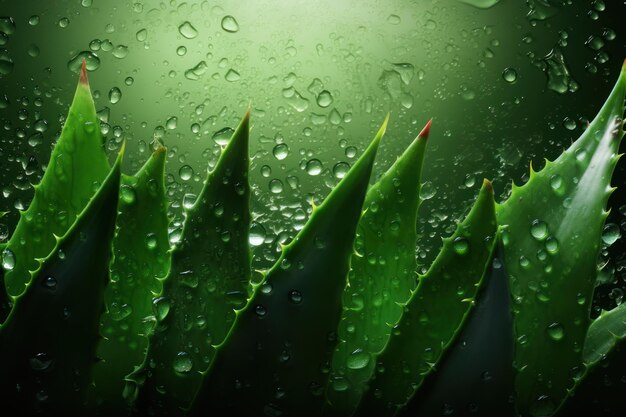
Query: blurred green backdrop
<point x="506" y="82"/>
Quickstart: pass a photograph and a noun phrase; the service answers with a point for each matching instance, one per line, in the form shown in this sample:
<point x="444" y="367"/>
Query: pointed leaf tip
<point x="426" y="130"/>
<point x="83" y="73"/>
<point x="487" y="185"/>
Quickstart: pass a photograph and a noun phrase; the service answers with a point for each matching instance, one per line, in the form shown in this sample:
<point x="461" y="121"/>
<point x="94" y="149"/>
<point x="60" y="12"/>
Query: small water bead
<point x="340" y="384"/>
<point x="222" y="136"/>
<point x="33" y="20"/>
<point x="340" y="170"/>
<point x="295" y="297"/>
<point x="63" y="22"/>
<point x="181" y="50"/>
<point x="324" y="99"/>
<point x="50" y="283"/>
<point x="509" y="75"/>
<point x="555" y="331"/>
<point x="185" y="172"/>
<point x="141" y="35"/>
<point x="350" y="152"/>
<point x="314" y="167"/>
<point x="610" y="233"/>
<point x="276" y="186"/>
<point x="257" y="234"/>
<point x="8" y="260"/>
<point x="161" y="308"/>
<point x="569" y="124"/>
<point x="280" y="151"/>
<point x="260" y="310"/>
<point x="539" y="229"/>
<point x="128" y="194"/>
<point x="182" y="363"/>
<point x="151" y="241"/>
<point x="358" y="359"/>
<point x="524" y="262"/>
<point x="120" y="51"/>
<point x="40" y="362"/>
<point x="119" y="311"/>
<point x="230" y="24"/>
<point x="189" y="199"/>
<point x="232" y="76"/>
<point x="115" y="95"/>
<point x="427" y="191"/>
<point x="187" y="30"/>
<point x="552" y="245"/>
<point x="460" y="245"/>
<point x="556" y="182"/>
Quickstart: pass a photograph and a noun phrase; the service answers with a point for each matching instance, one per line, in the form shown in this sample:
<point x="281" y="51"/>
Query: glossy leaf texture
<point x="141" y="260"/>
<point x="554" y="224"/>
<point x="48" y="342"/>
<point x="208" y="279"/>
<point x="436" y="310"/>
<point x="381" y="278"/>
<point x="271" y="362"/>
<point x="77" y="167"/>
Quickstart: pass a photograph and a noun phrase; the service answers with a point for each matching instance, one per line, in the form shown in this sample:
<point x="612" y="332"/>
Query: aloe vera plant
<point x="302" y="343"/>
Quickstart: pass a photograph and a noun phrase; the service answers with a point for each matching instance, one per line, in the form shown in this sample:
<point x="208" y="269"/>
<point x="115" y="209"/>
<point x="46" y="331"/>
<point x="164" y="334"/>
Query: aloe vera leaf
<point x="475" y="376"/>
<point x="274" y="357"/>
<point x="381" y="278"/>
<point x="208" y="279"/>
<point x="78" y="165"/>
<point x="141" y="258"/>
<point x="551" y="247"/>
<point x="436" y="310"/>
<point x="48" y="342"/>
<point x="604" y="334"/>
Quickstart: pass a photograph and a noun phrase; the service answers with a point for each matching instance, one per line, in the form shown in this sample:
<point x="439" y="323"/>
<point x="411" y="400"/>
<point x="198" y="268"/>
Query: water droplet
<point x="555" y="331"/>
<point x="539" y="229"/>
<point x="281" y="151"/>
<point x="556" y="182"/>
<point x="295" y="297"/>
<point x="33" y="20"/>
<point x="151" y="241"/>
<point x="40" y="362"/>
<point x="187" y="30"/>
<point x="552" y="245"/>
<point x="461" y="245"/>
<point x="314" y="167"/>
<point x="119" y="311"/>
<point x="340" y="169"/>
<point x="171" y="123"/>
<point x="8" y="260"/>
<point x="182" y="363"/>
<point x="189" y="199"/>
<point x="427" y="191"/>
<point x="232" y="76"/>
<point x="222" y="136"/>
<point x="185" y="172"/>
<point x="509" y="75"/>
<point x="181" y="50"/>
<point x="161" y="308"/>
<point x="610" y="233"/>
<point x="230" y="24"/>
<point x="324" y="99"/>
<point x="276" y="186"/>
<point x="115" y="95"/>
<point x="128" y="194"/>
<point x="141" y="35"/>
<point x="260" y="310"/>
<point x="257" y="234"/>
<point x="358" y="359"/>
<point x="50" y="283"/>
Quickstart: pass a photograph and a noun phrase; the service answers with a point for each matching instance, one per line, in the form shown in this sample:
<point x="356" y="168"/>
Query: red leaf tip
<point x="83" y="73"/>
<point x="426" y="130"/>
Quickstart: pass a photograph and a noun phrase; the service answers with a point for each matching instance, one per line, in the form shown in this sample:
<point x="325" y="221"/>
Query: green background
<point x="445" y="59"/>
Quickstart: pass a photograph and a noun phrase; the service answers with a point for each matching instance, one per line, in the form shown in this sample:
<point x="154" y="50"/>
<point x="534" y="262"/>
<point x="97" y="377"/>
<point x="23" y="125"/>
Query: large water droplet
<point x="182" y="363"/>
<point x="611" y="233"/>
<point x="539" y="229"/>
<point x="257" y="234"/>
<point x="358" y="359"/>
<point x="161" y="307"/>
<point x="40" y="362"/>
<point x="230" y="24"/>
<point x="509" y="75"/>
<point x="115" y="95"/>
<point x="187" y="30"/>
<point x="461" y="245"/>
<point x="555" y="331"/>
<point x="314" y="167"/>
<point x="8" y="260"/>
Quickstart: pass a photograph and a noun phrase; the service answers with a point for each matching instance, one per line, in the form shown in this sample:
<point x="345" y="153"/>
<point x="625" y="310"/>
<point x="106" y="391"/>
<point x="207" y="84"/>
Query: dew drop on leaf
<point x="555" y="331"/>
<point x="539" y="230"/>
<point x="314" y="167"/>
<point x="230" y="24"/>
<point x="461" y="245"/>
<point x="281" y="151"/>
<point x="187" y="30"/>
<point x="182" y="363"/>
<point x="610" y="234"/>
<point x="128" y="194"/>
<point x="8" y="260"/>
<point x="358" y="359"/>
<point x="509" y="75"/>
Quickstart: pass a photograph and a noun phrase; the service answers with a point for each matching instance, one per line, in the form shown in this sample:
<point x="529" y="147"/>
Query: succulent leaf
<point x="48" y="342"/>
<point x="141" y="259"/>
<point x="381" y="278"/>
<point x="77" y="167"/>
<point x="436" y="311"/>
<point x="208" y="279"/>
<point x="551" y="247"/>
<point x="270" y="362"/>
